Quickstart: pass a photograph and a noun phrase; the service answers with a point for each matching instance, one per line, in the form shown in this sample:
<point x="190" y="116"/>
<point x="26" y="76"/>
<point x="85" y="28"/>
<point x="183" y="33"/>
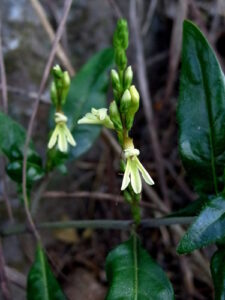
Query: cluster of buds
<point x="61" y="135"/>
<point x="121" y="115"/>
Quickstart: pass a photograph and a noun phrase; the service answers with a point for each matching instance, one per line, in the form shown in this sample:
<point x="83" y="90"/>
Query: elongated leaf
<point x="208" y="228"/>
<point x="201" y="112"/>
<point x="41" y="284"/>
<point x="133" y="274"/>
<point x="88" y="89"/>
<point x="12" y="140"/>
<point x="192" y="209"/>
<point x="218" y="273"/>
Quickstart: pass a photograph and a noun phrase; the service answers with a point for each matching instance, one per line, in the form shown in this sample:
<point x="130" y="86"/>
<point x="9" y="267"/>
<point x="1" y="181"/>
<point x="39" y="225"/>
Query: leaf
<point x="133" y="274"/>
<point x="192" y="209"/>
<point x="12" y="140"/>
<point x="201" y="112"/>
<point x="218" y="273"/>
<point x="88" y="89"/>
<point x="208" y="228"/>
<point x="41" y="284"/>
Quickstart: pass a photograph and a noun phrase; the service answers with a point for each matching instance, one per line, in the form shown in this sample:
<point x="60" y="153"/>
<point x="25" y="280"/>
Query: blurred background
<point x="91" y="187"/>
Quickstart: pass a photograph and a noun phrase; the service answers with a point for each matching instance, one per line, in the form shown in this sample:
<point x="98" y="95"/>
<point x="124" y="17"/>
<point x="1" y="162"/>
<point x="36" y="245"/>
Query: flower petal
<point x="135" y="177"/>
<point x="53" y="138"/>
<point x="147" y="178"/>
<point x="102" y="113"/>
<point x="126" y="176"/>
<point x="69" y="137"/>
<point x="62" y="142"/>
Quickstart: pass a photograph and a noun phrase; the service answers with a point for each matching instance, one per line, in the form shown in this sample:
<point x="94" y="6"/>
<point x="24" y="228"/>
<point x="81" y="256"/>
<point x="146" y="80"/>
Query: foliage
<point x="41" y="283"/>
<point x="133" y="274"/>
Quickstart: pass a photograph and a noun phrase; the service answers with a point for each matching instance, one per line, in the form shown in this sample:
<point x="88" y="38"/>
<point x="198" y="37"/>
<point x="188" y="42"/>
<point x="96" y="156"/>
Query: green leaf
<point x="192" y="209"/>
<point x="208" y="228"/>
<point x="41" y="284"/>
<point x="12" y="140"/>
<point x="201" y="112"/>
<point x="218" y="273"/>
<point x="133" y="274"/>
<point x="88" y="89"/>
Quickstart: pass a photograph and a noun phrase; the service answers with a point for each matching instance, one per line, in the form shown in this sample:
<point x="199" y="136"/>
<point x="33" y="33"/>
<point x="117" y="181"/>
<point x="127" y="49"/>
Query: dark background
<point x="77" y="256"/>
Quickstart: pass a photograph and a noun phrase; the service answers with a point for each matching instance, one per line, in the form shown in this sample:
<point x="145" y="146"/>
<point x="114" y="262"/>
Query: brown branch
<point x="96" y="196"/>
<point x="146" y="97"/>
<point x="16" y="277"/>
<point x="34" y="112"/>
<point x="60" y="52"/>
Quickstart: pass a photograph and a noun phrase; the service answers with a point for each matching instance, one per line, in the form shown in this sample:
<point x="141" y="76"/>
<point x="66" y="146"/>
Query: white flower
<point x="134" y="170"/>
<point x="97" y="116"/>
<point x="61" y="134"/>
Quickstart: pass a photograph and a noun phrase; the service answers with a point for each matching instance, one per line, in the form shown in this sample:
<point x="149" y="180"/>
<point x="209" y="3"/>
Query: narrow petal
<point x="53" y="138"/>
<point x="126" y="176"/>
<point x="62" y="142"/>
<point x="135" y="177"/>
<point x="69" y="137"/>
<point x="147" y="178"/>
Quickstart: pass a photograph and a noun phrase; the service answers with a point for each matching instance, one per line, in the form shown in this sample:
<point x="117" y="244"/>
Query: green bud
<point x="65" y="87"/>
<point x="121" y="35"/>
<point x="128" y="77"/>
<point x="125" y="101"/>
<point x="120" y="59"/>
<point x="53" y="93"/>
<point x="115" y="79"/>
<point x="134" y="106"/>
<point x="57" y="71"/>
<point x="115" y="116"/>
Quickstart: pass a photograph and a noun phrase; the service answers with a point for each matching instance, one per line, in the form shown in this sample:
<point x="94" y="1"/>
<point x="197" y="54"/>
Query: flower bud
<point x="134" y="106"/>
<point x="115" y="116"/>
<point x="120" y="59"/>
<point x="53" y="93"/>
<point x="121" y="35"/>
<point x="65" y="87"/>
<point x="128" y="77"/>
<point x="125" y="101"/>
<point x="115" y="79"/>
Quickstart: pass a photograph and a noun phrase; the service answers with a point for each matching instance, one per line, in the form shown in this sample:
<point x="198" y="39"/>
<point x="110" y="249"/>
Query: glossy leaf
<point x="201" y="112"/>
<point x="218" y="273"/>
<point x="88" y="89"/>
<point x="208" y="228"/>
<point x="192" y="209"/>
<point x="42" y="284"/>
<point x="12" y="140"/>
<point x="133" y="274"/>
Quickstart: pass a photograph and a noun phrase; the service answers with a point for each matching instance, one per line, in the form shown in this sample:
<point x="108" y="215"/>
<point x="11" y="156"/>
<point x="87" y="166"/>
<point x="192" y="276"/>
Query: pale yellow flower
<point x="97" y="116"/>
<point x="61" y="134"/>
<point x="133" y="171"/>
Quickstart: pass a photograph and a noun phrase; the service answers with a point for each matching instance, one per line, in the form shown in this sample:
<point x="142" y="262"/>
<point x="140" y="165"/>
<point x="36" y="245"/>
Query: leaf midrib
<point x="210" y="119"/>
<point x="135" y="267"/>
<point x="44" y="274"/>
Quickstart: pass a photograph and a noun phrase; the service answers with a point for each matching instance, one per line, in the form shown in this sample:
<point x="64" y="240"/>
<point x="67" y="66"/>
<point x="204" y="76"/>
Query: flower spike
<point x="61" y="134"/>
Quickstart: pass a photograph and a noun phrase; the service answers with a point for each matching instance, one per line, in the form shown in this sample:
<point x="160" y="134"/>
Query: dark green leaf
<point x="192" y="209"/>
<point x="208" y="228"/>
<point x="133" y="274"/>
<point x="88" y="89"/>
<point x="41" y="284"/>
<point x="201" y="112"/>
<point x="12" y="140"/>
<point x="218" y="273"/>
